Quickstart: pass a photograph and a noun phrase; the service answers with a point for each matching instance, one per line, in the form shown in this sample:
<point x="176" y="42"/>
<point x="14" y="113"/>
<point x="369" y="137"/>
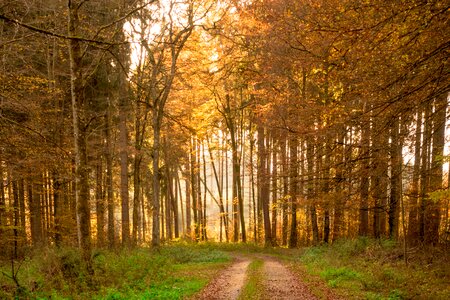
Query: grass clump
<point x="335" y="276"/>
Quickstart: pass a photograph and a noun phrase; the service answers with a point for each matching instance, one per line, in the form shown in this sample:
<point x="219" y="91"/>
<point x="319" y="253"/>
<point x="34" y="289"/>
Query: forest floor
<point x="360" y="268"/>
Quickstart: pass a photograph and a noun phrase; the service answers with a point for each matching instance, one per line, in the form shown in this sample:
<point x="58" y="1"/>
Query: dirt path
<point x="229" y="283"/>
<point x="280" y="283"/>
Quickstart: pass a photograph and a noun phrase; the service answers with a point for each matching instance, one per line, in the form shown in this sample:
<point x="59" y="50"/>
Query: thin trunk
<point x="380" y="179"/>
<point x="424" y="171"/>
<point x="204" y="193"/>
<point x="364" y="175"/>
<point x="293" y="175"/>
<point x="339" y="181"/>
<point x="252" y="183"/>
<point x="15" y="228"/>
<point x="325" y="173"/>
<point x="80" y="138"/>
<point x="396" y="179"/>
<point x="123" y="146"/>
<point x="194" y="187"/>
<point x="2" y="203"/>
<point x="109" y="176"/>
<point x="199" y="192"/>
<point x="156" y="231"/>
<point x="274" y="187"/>
<point x="99" y="203"/>
<point x="432" y="214"/>
<point x="180" y="196"/>
<point x="174" y="198"/>
<point x="23" y="225"/>
<point x="137" y="176"/>
<point x="263" y="183"/>
<point x="188" y="202"/>
<point x="58" y="209"/>
<point x="310" y="191"/>
<point x="413" y="224"/>
<point x="34" y="205"/>
<point x="285" y="180"/>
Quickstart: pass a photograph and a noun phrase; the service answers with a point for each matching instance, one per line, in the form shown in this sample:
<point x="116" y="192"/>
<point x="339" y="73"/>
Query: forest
<point x="133" y="125"/>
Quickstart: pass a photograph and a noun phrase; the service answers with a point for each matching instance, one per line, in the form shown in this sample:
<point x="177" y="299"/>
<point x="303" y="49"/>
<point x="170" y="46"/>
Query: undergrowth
<point x="171" y="272"/>
<point x="364" y="268"/>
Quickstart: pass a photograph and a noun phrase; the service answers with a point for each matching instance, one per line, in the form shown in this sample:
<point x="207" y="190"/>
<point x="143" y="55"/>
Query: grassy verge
<point x="370" y="269"/>
<point x="172" y="272"/>
<point x="253" y="288"/>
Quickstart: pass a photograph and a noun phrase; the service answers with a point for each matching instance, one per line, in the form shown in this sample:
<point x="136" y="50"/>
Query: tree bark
<point x="293" y="176"/>
<point x="263" y="183"/>
<point x="80" y="145"/>
<point x="436" y="177"/>
<point x="413" y="224"/>
<point x="100" y="203"/>
<point x="109" y="176"/>
<point x="364" y="175"/>
<point x="396" y="179"/>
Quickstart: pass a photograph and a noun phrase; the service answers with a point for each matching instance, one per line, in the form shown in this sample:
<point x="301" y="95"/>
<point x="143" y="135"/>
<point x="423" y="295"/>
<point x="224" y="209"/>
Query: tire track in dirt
<point x="281" y="283"/>
<point x="228" y="285"/>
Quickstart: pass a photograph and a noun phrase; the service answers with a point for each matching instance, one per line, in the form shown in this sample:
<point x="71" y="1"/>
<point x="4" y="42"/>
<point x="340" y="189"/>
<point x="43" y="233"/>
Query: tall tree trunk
<point x="199" y="192"/>
<point x="156" y="234"/>
<point x="205" y="237"/>
<point x="413" y="224"/>
<point x="174" y="198"/>
<point x="432" y="213"/>
<point x="364" y="174"/>
<point x="325" y="174"/>
<point x="123" y="146"/>
<point x="396" y="179"/>
<point x="2" y="203"/>
<point x="188" y="201"/>
<point x="109" y="175"/>
<point x="274" y="187"/>
<point x="253" y="194"/>
<point x="137" y="176"/>
<point x="80" y="135"/>
<point x="293" y="175"/>
<point x="58" y="208"/>
<point x="380" y="174"/>
<point x="339" y="181"/>
<point x="22" y="210"/>
<point x="424" y="171"/>
<point x="311" y="192"/>
<point x="263" y="183"/>
<point x="99" y="203"/>
<point x="15" y="227"/>
<point x="285" y="180"/>
<point x="194" y="187"/>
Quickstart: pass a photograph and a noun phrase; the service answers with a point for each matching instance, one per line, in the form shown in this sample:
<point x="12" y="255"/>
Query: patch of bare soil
<point x="281" y="283"/>
<point x="228" y="284"/>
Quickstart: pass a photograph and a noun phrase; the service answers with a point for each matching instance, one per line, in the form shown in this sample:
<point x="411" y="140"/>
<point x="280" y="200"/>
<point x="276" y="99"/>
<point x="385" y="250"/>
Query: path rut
<point x="281" y="284"/>
<point x="228" y="285"/>
<point x="277" y="280"/>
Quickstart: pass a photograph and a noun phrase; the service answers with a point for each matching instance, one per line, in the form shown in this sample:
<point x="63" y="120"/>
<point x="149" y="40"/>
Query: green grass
<point x="375" y="269"/>
<point x="353" y="269"/>
<point x="171" y="272"/>
<point x="253" y="288"/>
